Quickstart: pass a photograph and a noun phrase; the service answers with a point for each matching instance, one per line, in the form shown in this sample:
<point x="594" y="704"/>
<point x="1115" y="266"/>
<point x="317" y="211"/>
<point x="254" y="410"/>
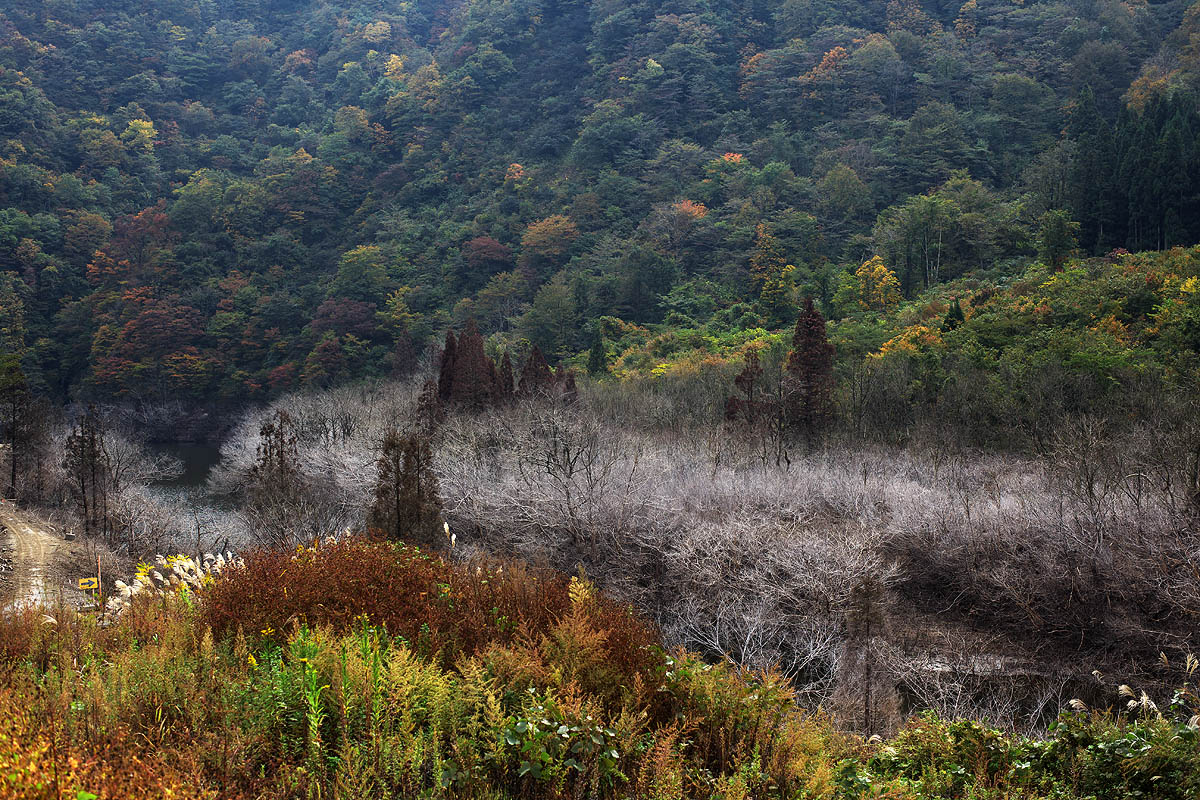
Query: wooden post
<point x="99" y="584"/>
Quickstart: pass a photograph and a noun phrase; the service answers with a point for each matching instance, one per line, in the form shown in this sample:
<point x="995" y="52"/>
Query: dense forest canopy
<point x="229" y="200"/>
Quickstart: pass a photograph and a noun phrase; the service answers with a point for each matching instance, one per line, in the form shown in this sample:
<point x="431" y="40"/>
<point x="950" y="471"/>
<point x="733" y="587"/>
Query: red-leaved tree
<point x="808" y="385"/>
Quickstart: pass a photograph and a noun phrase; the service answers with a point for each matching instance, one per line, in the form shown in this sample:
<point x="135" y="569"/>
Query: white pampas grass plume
<point x="180" y="570"/>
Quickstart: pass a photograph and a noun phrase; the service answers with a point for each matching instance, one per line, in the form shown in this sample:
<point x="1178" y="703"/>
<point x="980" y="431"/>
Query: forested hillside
<point x="229" y="200"/>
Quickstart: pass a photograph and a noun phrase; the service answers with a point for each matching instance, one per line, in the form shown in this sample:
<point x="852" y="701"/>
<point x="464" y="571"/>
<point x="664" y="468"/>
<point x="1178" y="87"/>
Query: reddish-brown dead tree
<point x="808" y="385"/>
<point x="536" y="378"/>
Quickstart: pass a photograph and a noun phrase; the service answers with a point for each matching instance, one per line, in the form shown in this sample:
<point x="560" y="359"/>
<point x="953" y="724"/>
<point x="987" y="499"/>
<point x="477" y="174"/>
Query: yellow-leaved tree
<point x="872" y="287"/>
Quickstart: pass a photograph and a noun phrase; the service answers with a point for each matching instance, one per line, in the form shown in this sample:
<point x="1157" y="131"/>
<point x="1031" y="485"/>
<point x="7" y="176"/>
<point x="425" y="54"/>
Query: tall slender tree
<point x="597" y="363"/>
<point x="474" y="376"/>
<point x="808" y="389"/>
<point x="15" y="403"/>
<point x="86" y="463"/>
<point x="747" y="408"/>
<point x="767" y="262"/>
<point x="407" y="505"/>
<point x="504" y="380"/>
<point x="276" y="495"/>
<point x="536" y="378"/>
<point x="446" y="372"/>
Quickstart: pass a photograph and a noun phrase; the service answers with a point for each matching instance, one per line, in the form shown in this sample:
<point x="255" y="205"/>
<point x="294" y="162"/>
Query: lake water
<point x="198" y="461"/>
<point x="189" y="490"/>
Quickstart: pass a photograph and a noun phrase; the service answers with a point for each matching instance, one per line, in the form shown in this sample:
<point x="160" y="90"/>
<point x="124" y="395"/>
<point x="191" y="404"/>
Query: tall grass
<point x="367" y="669"/>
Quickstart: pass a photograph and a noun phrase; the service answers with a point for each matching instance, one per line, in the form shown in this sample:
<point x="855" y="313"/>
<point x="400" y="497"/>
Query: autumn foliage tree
<point x="545" y="243"/>
<point x="474" y="378"/>
<point x="809" y="382"/>
<point x="872" y="287"/>
<point x="485" y="256"/>
<point x="767" y="261"/>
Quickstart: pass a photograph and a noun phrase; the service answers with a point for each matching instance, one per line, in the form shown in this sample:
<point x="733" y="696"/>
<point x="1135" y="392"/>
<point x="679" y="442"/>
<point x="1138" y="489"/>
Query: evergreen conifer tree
<point x="1056" y="238"/>
<point x="407" y="505"/>
<point x="597" y="362"/>
<point x="809" y="381"/>
<point x="954" y="317"/>
<point x="537" y="377"/>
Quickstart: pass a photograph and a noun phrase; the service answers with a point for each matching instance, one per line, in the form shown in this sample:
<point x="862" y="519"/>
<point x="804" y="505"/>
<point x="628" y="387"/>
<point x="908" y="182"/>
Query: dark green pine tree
<point x="1176" y="151"/>
<point x="954" y="317"/>
<point x="1137" y="139"/>
<point x="1056" y="238"/>
<point x="597" y="362"/>
<point x="1093" y="187"/>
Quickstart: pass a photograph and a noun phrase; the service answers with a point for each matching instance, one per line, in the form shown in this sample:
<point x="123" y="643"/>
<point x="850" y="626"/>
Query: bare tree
<point x="1075" y="558"/>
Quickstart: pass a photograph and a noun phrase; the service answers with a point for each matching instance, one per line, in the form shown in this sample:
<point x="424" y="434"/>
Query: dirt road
<point x="35" y="556"/>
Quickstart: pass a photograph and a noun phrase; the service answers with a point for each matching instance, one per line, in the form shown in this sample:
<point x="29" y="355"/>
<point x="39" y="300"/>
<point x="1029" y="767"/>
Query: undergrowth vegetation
<point x="993" y="583"/>
<point x="370" y="669"/>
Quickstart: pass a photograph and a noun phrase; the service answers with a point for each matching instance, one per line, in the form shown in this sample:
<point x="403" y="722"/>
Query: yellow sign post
<point x="93" y="583"/>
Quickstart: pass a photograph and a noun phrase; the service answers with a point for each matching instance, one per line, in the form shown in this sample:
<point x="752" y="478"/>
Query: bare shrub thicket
<point x="1004" y="557"/>
<point x="119" y="470"/>
<point x="338" y="435"/>
<point x="978" y="584"/>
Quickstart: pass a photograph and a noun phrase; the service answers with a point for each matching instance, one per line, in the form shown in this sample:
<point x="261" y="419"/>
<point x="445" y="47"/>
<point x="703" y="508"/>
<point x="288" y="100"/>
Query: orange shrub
<point x="39" y="762"/>
<point x="438" y="607"/>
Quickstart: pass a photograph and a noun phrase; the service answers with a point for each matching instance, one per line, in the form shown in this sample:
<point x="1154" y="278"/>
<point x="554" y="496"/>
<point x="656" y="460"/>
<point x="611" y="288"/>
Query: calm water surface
<point x="198" y="461"/>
